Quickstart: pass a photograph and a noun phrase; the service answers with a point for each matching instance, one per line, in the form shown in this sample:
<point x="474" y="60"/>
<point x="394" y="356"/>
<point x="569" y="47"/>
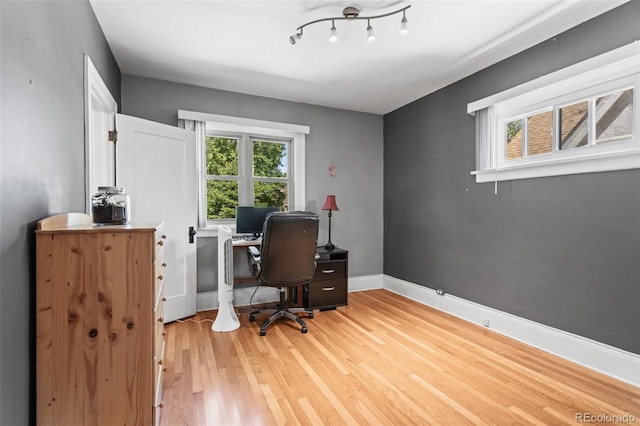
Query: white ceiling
<point x="242" y="46"/>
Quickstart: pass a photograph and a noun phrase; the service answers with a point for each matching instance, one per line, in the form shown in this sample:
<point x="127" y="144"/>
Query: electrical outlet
<point x="440" y="291"/>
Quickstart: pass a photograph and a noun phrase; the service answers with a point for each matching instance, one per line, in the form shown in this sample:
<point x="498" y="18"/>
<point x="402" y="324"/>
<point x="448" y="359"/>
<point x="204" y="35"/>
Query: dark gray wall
<point x="42" y="162"/>
<point x="351" y="140"/>
<point x="562" y="251"/>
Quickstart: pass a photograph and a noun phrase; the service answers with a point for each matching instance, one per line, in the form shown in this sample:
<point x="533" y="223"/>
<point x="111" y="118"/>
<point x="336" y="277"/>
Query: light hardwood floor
<point x="384" y="360"/>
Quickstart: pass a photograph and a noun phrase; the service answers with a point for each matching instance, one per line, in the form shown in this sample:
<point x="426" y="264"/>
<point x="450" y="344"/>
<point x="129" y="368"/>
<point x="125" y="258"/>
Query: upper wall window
<point x="578" y="120"/>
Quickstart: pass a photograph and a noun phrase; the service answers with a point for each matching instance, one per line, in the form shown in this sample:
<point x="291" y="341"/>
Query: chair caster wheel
<point x="252" y="318"/>
<point x="310" y="315"/>
<point x="263" y="332"/>
<point x="304" y="330"/>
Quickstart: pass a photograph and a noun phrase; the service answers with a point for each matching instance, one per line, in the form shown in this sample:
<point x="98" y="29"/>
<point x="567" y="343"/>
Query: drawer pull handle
<point x="164" y="237"/>
<point x="160" y="243"/>
<point x="161" y="277"/>
<point x="160" y="319"/>
<point x="328" y="288"/>
<point x="328" y="271"/>
<point x="164" y="299"/>
<point x="164" y="265"/>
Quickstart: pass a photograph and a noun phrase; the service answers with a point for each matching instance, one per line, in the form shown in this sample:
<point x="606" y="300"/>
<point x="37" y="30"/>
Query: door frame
<point x="100" y="109"/>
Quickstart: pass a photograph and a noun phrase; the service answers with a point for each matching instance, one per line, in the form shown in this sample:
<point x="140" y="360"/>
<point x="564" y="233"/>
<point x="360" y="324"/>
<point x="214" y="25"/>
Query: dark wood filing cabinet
<point x="329" y="288"/>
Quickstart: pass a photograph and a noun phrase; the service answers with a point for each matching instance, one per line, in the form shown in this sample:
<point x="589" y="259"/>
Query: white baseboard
<point x="366" y="282"/>
<point x="609" y="360"/>
<point x="208" y="301"/>
<point x="241" y="297"/>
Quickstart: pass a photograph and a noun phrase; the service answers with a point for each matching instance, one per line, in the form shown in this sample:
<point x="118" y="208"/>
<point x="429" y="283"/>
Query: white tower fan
<point x="226" y="320"/>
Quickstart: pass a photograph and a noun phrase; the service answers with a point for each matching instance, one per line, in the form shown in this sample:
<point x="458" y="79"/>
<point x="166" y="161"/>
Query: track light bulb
<point x="294" y="38"/>
<point x="333" y="33"/>
<point x="370" y="34"/>
<point x="404" y="24"/>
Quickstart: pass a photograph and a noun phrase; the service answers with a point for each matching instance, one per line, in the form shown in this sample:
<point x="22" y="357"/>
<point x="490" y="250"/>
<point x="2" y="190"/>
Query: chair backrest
<point x="289" y="241"/>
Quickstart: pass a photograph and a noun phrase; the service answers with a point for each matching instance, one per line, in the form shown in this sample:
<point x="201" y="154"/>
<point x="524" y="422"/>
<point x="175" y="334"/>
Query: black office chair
<point x="287" y="258"/>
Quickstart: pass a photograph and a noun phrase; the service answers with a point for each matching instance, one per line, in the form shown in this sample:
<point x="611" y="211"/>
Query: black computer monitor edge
<point x="250" y="220"/>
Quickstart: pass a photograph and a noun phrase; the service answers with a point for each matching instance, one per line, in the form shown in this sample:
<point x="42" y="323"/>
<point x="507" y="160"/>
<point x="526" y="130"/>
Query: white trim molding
<point x="607" y="77"/>
<point x="241" y="297"/>
<point x="225" y="123"/>
<point x="100" y="109"/>
<point x="207" y="301"/>
<point x="626" y="56"/>
<point x="239" y="124"/>
<point x="606" y="359"/>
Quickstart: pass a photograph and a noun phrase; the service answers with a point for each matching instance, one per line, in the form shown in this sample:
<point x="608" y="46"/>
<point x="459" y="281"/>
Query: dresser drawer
<point x="158" y="330"/>
<point x="330" y="270"/>
<point x="158" y="272"/>
<point x="328" y="293"/>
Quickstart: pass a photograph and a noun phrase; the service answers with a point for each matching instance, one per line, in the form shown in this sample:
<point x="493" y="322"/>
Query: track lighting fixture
<point x="296" y="37"/>
<point x="370" y="34"/>
<point x="351" y="14"/>
<point x="404" y="23"/>
<point x="333" y="33"/>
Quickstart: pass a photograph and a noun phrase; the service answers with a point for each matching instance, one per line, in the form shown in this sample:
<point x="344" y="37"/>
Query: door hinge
<point x="113" y="136"/>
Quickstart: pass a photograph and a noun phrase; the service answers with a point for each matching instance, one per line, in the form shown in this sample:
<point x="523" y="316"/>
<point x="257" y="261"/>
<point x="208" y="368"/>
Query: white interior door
<point x="156" y="165"/>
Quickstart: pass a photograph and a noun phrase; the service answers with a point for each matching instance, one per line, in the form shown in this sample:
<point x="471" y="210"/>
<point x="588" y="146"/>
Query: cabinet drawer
<point x="330" y="270"/>
<point x="328" y="293"/>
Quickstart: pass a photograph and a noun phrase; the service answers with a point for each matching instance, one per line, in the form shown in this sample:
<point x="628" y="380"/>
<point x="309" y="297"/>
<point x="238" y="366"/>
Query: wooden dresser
<point x="100" y="331"/>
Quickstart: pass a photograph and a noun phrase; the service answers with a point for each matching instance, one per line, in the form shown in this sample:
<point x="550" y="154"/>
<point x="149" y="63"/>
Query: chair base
<point x="281" y="311"/>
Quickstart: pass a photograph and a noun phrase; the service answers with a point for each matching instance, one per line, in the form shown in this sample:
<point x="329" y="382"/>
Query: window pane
<point x="614" y="116"/>
<point x="222" y="156"/>
<point x="540" y="133"/>
<point x="514" y="133"/>
<point x="271" y="194"/>
<point x="222" y="199"/>
<point x="269" y="159"/>
<point x="574" y="127"/>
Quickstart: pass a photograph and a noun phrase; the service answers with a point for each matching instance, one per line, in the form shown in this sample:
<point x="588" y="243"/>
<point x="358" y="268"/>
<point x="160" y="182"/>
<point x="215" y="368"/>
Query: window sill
<point x="211" y="231"/>
<point x="621" y="160"/>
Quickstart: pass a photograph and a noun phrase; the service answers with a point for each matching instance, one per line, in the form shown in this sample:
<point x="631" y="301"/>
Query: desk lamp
<point x="330" y="204"/>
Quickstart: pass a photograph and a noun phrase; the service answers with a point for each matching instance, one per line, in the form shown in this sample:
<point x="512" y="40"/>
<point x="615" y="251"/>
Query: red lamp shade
<point x="330" y="203"/>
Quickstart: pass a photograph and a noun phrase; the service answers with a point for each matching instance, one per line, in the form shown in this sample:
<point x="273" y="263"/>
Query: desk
<point x="329" y="288"/>
<point x="242" y="244"/>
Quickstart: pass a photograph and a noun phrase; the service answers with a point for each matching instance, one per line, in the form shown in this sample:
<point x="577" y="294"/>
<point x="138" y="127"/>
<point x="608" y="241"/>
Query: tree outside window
<point x="265" y="182"/>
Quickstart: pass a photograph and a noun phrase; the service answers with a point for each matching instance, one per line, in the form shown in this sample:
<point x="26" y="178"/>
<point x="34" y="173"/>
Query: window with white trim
<point x="580" y="119"/>
<point x="246" y="170"/>
<point x="250" y="162"/>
